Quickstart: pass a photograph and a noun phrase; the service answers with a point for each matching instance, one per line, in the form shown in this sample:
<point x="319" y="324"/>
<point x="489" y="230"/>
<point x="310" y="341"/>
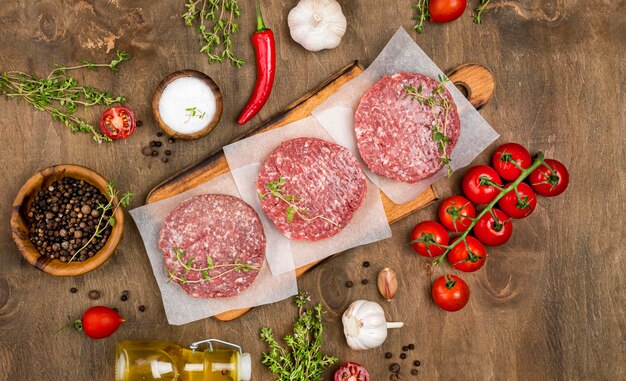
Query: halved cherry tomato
<point x="549" y="179"/>
<point x="454" y="212"/>
<point x="446" y="10"/>
<point x="424" y="237"/>
<point x="494" y="231"/>
<point x="504" y="157"/>
<point x="99" y="322"/>
<point x="476" y="185"/>
<point x="468" y="256"/>
<point x="520" y="202"/>
<point x="352" y="372"/>
<point x="118" y="122"/>
<point x="450" y="292"/>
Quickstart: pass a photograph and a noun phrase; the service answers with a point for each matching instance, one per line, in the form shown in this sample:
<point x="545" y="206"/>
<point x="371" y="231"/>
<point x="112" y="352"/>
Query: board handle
<point x="476" y="80"/>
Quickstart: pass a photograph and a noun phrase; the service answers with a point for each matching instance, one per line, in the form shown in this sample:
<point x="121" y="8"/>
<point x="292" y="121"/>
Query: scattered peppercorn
<point x="171" y="140"/>
<point x="153" y="143"/>
<point x="155" y="153"/>
<point x="139" y="123"/>
<point x="411" y="346"/>
<point x="158" y="143"/>
<point x="73" y="290"/>
<point x="115" y="309"/>
<point x="395" y="367"/>
<point x="94" y="294"/>
<point x="403" y="356"/>
<point x="168" y="152"/>
<point x="147" y="150"/>
<point x="142" y="308"/>
<point x="388" y="355"/>
<point x="124" y="298"/>
<point x="165" y="159"/>
<point x="349" y="284"/>
<point x="364" y="281"/>
<point x="417" y="363"/>
<point x="160" y="133"/>
<point x="414" y="371"/>
<point x="405" y="348"/>
<point x="366" y="264"/>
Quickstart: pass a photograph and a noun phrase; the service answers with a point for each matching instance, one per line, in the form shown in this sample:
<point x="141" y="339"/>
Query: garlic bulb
<point x="365" y="326"/>
<point x="317" y="24"/>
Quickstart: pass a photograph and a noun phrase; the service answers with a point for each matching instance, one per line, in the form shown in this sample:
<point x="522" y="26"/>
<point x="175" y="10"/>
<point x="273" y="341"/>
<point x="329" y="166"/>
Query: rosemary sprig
<point x="215" y="24"/>
<point x="104" y="209"/>
<point x="188" y="265"/>
<point x="302" y="358"/>
<point x="421" y="15"/>
<point x="194" y="112"/>
<point x="440" y="126"/>
<point x="60" y="95"/>
<point x="276" y="189"/>
<point x="482" y="7"/>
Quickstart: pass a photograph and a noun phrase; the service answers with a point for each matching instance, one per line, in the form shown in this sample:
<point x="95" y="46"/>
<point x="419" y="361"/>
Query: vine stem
<point x="525" y="173"/>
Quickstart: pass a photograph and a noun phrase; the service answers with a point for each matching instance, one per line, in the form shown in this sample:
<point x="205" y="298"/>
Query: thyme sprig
<point x="188" y="265"/>
<point x="276" y="189"/>
<point x="61" y="95"/>
<point x="482" y="7"/>
<point x="215" y="25"/>
<point x="194" y="112"/>
<point x="421" y="15"/>
<point x="107" y="213"/>
<point x="302" y="358"/>
<point x="436" y="99"/>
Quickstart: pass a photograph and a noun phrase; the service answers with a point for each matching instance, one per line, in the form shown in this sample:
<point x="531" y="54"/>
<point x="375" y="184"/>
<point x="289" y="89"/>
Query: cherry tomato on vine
<point x="99" y="322"/>
<point x="117" y="122"/>
<point x="352" y="372"/>
<point x="454" y="212"/>
<point x="549" y="179"/>
<point x="506" y="154"/>
<point x="468" y="257"/>
<point x="450" y="292"/>
<point x="520" y="204"/>
<point x="494" y="231"/>
<point x="425" y="234"/>
<point x="446" y="10"/>
<point x="475" y="184"/>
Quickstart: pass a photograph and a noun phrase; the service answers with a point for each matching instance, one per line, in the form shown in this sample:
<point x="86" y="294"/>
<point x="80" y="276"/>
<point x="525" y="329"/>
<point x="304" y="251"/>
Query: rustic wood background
<point x="548" y="306"/>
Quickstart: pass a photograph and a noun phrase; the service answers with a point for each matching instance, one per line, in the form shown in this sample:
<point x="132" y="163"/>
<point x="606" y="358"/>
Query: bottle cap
<point x="245" y="367"/>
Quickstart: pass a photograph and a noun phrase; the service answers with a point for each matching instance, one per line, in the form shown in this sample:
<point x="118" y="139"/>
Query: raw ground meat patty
<point x="326" y="180"/>
<point x="218" y="226"/>
<point x="394" y="133"/>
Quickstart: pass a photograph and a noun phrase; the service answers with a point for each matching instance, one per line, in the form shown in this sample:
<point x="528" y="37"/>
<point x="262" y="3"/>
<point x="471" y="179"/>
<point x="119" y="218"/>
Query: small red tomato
<point x="99" y="322"/>
<point x="454" y="212"/>
<point x="519" y="203"/>
<point x="549" y="179"/>
<point x="477" y="185"/>
<point x="352" y="372"/>
<point x="426" y="236"/>
<point x="504" y="157"/>
<point x="446" y="10"/>
<point x="494" y="231"/>
<point x="117" y="122"/>
<point x="450" y="292"/>
<point x="468" y="256"/>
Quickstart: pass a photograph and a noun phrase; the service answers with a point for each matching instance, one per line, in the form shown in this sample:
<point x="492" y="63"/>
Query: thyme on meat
<point x="276" y="189"/>
<point x="421" y="15"/>
<point x="436" y="99"/>
<point x="107" y="213"/>
<point x="215" y="20"/>
<point x="61" y="95"/>
<point x="188" y="265"/>
<point x="194" y="112"/>
<point x="482" y="7"/>
<point x="302" y="358"/>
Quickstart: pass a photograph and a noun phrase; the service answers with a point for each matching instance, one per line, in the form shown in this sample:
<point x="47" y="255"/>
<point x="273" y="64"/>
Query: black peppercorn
<point x="147" y="150"/>
<point x="160" y="133"/>
<point x="142" y="308"/>
<point x="364" y="281"/>
<point x="403" y="356"/>
<point x="155" y="153"/>
<point x="73" y="290"/>
<point x="153" y="143"/>
<point x="388" y="355"/>
<point x="165" y="159"/>
<point x="411" y="346"/>
<point x="168" y="152"/>
<point x="349" y="284"/>
<point x="158" y="143"/>
<point x="366" y="264"/>
<point x="94" y="294"/>
<point x="414" y="372"/>
<point x="171" y="140"/>
<point x="405" y="348"/>
<point x="124" y="298"/>
<point x="395" y="367"/>
<point x="417" y="363"/>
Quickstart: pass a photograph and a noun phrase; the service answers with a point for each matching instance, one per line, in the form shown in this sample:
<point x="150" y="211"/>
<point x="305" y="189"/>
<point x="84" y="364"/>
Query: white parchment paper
<point x="369" y="224"/>
<point x="181" y="308"/>
<point x="402" y="54"/>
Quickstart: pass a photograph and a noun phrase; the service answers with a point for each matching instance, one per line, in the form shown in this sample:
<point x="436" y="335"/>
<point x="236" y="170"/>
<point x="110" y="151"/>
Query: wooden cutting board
<point x="474" y="79"/>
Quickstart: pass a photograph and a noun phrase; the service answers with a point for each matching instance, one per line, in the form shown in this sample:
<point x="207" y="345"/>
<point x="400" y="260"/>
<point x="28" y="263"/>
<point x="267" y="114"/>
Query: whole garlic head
<point x="364" y="325"/>
<point x="317" y="24"/>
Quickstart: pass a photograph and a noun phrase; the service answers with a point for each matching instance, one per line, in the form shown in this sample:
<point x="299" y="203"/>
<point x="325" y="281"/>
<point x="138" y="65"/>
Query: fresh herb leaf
<point x="421" y="15"/>
<point x="482" y="7"/>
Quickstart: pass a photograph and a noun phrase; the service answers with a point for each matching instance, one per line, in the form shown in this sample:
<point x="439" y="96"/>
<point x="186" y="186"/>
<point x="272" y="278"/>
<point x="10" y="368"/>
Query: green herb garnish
<point x="215" y="24"/>
<point x="188" y="265"/>
<point x="194" y="112"/>
<point x="421" y="15"/>
<point x="301" y="359"/>
<point x="480" y="10"/>
<point x="60" y="95"/>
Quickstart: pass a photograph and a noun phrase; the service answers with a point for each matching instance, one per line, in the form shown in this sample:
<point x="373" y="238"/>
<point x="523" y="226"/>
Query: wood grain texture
<point x="549" y="305"/>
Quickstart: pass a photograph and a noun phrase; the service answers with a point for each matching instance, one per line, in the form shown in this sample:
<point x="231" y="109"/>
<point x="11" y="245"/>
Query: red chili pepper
<point x="265" y="49"/>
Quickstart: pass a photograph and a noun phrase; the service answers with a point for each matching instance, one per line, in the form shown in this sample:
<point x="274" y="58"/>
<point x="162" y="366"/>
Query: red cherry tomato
<point x="519" y="204"/>
<point x="494" y="231"/>
<point x="117" y="122"/>
<point x="450" y="292"/>
<point x="503" y="157"/>
<point x="100" y="322"/>
<point x="475" y="187"/>
<point x="454" y="212"/>
<point x="468" y="256"/>
<point x="352" y="372"/>
<point x="446" y="10"/>
<point x="425" y="234"/>
<point x="549" y="179"/>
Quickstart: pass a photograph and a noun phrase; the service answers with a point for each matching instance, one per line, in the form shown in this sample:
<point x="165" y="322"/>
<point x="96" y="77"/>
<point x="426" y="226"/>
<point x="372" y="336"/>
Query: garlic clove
<point x="365" y="325"/>
<point x="317" y="24"/>
<point x="387" y="283"/>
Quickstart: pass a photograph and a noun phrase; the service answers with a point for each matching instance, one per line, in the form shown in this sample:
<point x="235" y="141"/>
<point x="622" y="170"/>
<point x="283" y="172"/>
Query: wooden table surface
<point x="549" y="305"/>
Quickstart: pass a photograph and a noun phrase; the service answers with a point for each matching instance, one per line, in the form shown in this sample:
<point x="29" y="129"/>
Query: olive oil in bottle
<point x="159" y="360"/>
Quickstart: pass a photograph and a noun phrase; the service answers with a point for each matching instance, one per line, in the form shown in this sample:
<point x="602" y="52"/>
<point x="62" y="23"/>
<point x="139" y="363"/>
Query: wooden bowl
<point x="19" y="221"/>
<point x="219" y="105"/>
